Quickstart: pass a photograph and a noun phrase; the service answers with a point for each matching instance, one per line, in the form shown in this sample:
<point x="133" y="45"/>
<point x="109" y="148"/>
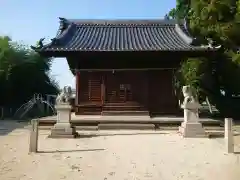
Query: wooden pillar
<point x="77" y="87"/>
<point x="103" y="89"/>
<point x="146" y="100"/>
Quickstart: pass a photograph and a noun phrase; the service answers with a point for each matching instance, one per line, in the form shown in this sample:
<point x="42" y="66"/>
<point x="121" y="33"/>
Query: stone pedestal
<point x="63" y="127"/>
<point x="191" y="127"/>
<point x="192" y="130"/>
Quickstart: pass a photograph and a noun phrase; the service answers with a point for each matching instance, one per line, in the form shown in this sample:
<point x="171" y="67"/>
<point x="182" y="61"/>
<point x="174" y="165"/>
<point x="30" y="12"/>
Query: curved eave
<point x="67" y="52"/>
<point x="59" y="51"/>
<point x="64" y="27"/>
<point x="183" y="35"/>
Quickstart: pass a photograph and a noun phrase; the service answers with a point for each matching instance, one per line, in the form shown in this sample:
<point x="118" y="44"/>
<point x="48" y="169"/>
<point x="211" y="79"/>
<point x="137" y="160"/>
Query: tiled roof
<point x="121" y="35"/>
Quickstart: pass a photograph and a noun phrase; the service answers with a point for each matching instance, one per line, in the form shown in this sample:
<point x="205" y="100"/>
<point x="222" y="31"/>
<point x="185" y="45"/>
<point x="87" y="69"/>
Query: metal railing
<point x="46" y="105"/>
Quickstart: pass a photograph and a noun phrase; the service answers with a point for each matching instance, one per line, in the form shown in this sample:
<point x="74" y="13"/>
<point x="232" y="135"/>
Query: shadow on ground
<point x="7" y="126"/>
<point x="216" y="135"/>
<point x="81" y="135"/>
<point x="73" y="150"/>
<point x="220" y="135"/>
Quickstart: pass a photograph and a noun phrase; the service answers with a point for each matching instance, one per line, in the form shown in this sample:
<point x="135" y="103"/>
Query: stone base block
<point x="192" y="130"/>
<point x="63" y="130"/>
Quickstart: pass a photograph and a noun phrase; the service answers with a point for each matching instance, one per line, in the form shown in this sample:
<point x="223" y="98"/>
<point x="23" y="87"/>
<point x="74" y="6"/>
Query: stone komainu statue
<point x="190" y="101"/>
<point x="188" y="95"/>
<point x="65" y="95"/>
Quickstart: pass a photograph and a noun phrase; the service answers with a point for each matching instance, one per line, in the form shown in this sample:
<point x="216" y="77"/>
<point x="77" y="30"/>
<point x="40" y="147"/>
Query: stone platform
<point x="95" y="122"/>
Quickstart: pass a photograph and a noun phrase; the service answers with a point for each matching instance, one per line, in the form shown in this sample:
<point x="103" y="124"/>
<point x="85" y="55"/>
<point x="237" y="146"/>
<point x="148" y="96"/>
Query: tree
<point x="181" y="10"/>
<point x="6" y="56"/>
<point x="22" y="73"/>
<point x="214" y="77"/>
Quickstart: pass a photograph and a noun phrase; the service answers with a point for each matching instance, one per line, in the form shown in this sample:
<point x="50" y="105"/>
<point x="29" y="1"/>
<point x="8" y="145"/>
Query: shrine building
<point x="124" y="67"/>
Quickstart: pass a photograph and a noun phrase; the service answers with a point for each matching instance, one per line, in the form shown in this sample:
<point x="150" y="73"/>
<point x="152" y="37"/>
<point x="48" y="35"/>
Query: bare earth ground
<point x="118" y="155"/>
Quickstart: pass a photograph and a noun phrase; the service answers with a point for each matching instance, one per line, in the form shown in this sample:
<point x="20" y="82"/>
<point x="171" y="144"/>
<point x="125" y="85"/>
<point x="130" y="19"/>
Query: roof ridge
<point x="125" y="25"/>
<point x="122" y="21"/>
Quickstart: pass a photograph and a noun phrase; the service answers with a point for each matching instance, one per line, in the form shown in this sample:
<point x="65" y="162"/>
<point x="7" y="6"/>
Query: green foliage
<point x="7" y="55"/>
<point x="191" y="75"/>
<point x="215" y="77"/>
<point x="22" y="73"/>
<point x="215" y="19"/>
<point x="181" y="10"/>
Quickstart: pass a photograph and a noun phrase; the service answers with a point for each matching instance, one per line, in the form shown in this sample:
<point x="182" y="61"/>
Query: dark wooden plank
<point x="126" y="91"/>
<point x="125" y="86"/>
<point x="113" y="91"/>
<point x="90" y="93"/>
<point x="162" y="99"/>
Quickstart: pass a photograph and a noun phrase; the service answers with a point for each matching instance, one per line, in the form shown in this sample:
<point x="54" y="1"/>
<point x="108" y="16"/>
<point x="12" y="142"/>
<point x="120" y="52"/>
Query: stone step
<point x="127" y="113"/>
<point x="86" y="128"/>
<point x="78" y="128"/>
<point x="207" y="128"/>
<point x="214" y="128"/>
<point x="107" y="126"/>
<point x="132" y="126"/>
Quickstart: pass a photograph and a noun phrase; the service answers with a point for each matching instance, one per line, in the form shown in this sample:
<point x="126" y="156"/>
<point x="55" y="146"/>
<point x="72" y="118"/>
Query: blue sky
<point x="29" y="20"/>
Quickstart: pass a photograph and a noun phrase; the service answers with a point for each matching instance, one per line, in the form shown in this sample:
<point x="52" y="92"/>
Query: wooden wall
<point x="126" y="90"/>
<point x="162" y="98"/>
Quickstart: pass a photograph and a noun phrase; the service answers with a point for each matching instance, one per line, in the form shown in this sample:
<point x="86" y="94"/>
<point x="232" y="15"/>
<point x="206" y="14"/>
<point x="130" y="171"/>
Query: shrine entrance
<point x="125" y="90"/>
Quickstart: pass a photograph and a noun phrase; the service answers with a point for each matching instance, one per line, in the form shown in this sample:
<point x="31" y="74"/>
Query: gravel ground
<point x="118" y="155"/>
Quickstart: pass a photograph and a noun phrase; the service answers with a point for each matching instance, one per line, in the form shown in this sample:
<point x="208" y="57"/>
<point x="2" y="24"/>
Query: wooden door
<point x="126" y="87"/>
<point x="118" y="89"/>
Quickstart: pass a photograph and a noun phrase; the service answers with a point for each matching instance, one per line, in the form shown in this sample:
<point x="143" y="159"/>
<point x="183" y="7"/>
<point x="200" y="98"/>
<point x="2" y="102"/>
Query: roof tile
<point x="120" y="35"/>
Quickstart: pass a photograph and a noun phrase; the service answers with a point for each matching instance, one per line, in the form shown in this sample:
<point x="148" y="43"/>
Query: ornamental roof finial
<point x="39" y="44"/>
